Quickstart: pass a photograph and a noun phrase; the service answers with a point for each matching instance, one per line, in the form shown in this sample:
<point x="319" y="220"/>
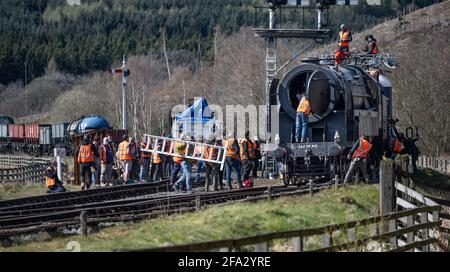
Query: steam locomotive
<point x="346" y="102"/>
<point x="40" y="139"/>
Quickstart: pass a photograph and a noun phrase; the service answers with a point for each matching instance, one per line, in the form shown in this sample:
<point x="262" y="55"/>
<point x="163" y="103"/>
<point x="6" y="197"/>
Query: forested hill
<point x="40" y="35"/>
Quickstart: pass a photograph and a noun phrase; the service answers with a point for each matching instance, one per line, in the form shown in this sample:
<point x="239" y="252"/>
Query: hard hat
<point x="230" y="134"/>
<point x="342" y="26"/>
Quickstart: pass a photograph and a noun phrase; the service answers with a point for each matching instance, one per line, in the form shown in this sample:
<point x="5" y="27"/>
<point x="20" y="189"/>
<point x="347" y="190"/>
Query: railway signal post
<point x="125" y="72"/>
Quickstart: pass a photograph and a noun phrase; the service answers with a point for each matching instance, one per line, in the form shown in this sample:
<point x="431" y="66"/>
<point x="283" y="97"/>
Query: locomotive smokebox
<point x="318" y="92"/>
<point x="314" y="81"/>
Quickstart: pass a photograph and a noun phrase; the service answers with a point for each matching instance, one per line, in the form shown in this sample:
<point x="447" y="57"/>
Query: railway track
<point x="85" y="194"/>
<point x="134" y="209"/>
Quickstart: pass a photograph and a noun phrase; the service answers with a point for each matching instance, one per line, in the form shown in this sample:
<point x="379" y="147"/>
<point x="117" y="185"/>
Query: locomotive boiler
<point x="346" y="103"/>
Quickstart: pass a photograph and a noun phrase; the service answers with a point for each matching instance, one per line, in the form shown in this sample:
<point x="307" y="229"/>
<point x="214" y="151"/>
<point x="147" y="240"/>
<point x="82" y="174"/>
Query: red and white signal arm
<point x="115" y="71"/>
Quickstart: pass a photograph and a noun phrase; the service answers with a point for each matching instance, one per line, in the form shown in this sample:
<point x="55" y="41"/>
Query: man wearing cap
<point x="86" y="154"/>
<point x="53" y="183"/>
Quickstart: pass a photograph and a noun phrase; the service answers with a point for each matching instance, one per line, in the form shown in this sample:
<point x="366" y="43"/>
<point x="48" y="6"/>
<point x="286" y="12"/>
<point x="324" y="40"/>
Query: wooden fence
<point x="440" y="165"/>
<point x="347" y="236"/>
<point x="408" y="222"/>
<point x="398" y="193"/>
<point x="20" y="169"/>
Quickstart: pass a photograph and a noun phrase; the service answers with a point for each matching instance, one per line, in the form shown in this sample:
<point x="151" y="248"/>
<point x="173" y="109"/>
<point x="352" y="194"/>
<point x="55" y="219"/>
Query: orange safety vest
<point x="249" y="148"/>
<point x="167" y="146"/>
<point x="155" y="157"/>
<point x="85" y="154"/>
<point x="145" y="154"/>
<point x="208" y="151"/>
<point x="178" y="153"/>
<point x="338" y="56"/>
<point x="102" y="152"/>
<point x="363" y="149"/>
<point x="304" y="106"/>
<point x="231" y="148"/>
<point x="397" y="146"/>
<point x="49" y="181"/>
<point x="255" y="148"/>
<point x="124" y="152"/>
<point x="198" y="150"/>
<point x="374" y="50"/>
<point x="343" y="38"/>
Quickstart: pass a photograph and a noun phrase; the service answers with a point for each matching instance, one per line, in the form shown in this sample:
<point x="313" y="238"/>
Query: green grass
<point x="229" y="221"/>
<point x="17" y="190"/>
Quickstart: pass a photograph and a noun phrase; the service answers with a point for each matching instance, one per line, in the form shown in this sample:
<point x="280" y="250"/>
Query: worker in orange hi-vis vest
<point x="246" y="155"/>
<point x="358" y="154"/>
<point x="146" y="157"/>
<point x="156" y="166"/>
<point x="211" y="169"/>
<point x="53" y="183"/>
<point x="232" y="160"/>
<point x="396" y="146"/>
<point x="345" y="37"/>
<point x="302" y="119"/>
<point x="125" y="158"/>
<point x="86" y="154"/>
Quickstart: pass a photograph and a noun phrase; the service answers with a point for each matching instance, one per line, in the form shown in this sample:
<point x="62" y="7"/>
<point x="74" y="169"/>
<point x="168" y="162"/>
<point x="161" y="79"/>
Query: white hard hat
<point x="342" y="26"/>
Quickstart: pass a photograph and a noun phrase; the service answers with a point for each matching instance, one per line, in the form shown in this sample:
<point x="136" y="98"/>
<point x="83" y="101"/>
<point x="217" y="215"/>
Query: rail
<point x="19" y="169"/>
<point x="440" y="165"/>
<point x="332" y="237"/>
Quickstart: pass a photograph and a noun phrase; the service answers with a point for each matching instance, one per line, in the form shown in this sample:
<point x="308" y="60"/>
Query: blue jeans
<point x="185" y="176"/>
<point x="200" y="166"/>
<point x="143" y="174"/>
<point x="173" y="175"/>
<point x="301" y="126"/>
<point x="231" y="163"/>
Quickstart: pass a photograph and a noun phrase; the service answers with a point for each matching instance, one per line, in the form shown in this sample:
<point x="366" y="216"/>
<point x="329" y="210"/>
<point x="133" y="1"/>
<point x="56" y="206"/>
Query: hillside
<point x="235" y="76"/>
<point x="38" y="37"/>
<point x="421" y="84"/>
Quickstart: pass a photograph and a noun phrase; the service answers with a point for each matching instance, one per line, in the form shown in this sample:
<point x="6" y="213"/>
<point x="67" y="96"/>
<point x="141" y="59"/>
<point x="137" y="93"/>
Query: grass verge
<point x="229" y="221"/>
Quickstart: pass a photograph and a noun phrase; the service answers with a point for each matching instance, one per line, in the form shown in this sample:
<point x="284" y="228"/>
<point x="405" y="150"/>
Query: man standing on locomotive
<point x="345" y="37"/>
<point x="358" y="154"/>
<point x="301" y="122"/>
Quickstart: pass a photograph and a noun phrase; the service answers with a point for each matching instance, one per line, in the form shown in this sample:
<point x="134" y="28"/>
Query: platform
<point x="292" y="33"/>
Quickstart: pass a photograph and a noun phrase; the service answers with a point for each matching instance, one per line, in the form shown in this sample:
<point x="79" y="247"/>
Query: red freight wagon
<point x="16" y="132"/>
<point x="32" y="133"/>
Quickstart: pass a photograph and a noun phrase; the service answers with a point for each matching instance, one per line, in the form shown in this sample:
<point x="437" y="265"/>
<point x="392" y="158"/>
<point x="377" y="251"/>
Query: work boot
<point x="239" y="184"/>
<point x="206" y="186"/>
<point x="229" y="186"/>
<point x="303" y="140"/>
